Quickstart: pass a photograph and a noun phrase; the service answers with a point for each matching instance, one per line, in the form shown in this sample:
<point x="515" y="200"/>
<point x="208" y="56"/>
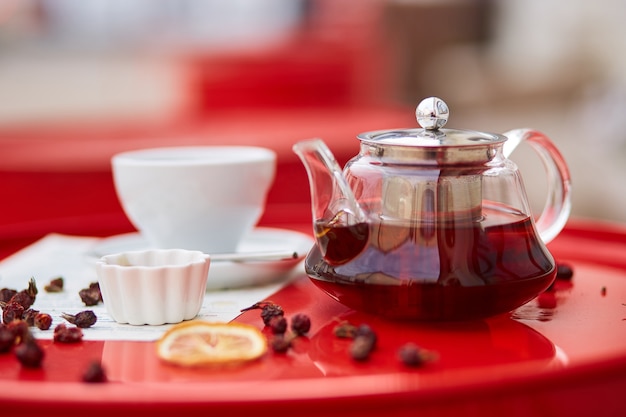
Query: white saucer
<point x="223" y="275"/>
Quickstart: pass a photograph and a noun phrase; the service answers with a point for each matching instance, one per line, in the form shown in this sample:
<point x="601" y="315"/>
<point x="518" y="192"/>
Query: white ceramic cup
<point x="204" y="198"/>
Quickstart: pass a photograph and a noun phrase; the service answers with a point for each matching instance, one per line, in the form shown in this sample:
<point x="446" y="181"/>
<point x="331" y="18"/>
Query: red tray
<point x="563" y="353"/>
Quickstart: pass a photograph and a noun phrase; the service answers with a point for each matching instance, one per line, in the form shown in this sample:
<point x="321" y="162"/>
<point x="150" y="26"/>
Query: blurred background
<point x="82" y="80"/>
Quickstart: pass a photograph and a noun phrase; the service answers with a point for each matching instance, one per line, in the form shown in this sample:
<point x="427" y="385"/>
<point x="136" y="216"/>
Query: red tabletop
<point x="563" y="353"/>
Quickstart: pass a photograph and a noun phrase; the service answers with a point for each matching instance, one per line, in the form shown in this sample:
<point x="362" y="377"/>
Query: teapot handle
<point x="558" y="205"/>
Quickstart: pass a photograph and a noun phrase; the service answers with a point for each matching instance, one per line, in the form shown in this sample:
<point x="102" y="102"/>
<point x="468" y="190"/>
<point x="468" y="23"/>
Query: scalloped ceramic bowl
<point x="160" y="286"/>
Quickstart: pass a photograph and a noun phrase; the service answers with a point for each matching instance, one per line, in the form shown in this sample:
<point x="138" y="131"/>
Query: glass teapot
<point x="432" y="223"/>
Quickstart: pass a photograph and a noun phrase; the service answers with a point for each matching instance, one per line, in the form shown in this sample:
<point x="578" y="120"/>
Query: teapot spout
<point x="332" y="199"/>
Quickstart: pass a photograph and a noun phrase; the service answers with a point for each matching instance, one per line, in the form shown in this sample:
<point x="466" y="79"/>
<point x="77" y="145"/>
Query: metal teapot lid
<point x="432" y="143"/>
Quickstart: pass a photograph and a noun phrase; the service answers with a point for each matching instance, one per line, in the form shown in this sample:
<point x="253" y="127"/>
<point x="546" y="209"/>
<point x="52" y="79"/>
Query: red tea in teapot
<point x="432" y="270"/>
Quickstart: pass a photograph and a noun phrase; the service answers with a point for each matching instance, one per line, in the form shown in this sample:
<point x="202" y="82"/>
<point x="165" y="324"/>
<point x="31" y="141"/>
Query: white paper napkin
<point x="68" y="256"/>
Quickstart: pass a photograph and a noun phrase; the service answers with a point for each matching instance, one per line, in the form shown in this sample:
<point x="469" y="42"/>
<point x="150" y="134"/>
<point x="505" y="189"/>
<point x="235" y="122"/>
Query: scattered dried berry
<point x="364" y="343"/>
<point x="6" y="294"/>
<point x="43" y="321"/>
<point x="29" y="316"/>
<point x="361" y="348"/>
<point x="7" y="338"/>
<point x="300" y="324"/>
<point x="273" y="317"/>
<point x="11" y="311"/>
<point x="365" y="330"/>
<point x="603" y="291"/>
<point x="363" y="339"/>
<point x="27" y="296"/>
<point x="95" y="373"/>
<point x="345" y="330"/>
<point x="64" y="334"/>
<point x="280" y="343"/>
<point x="84" y="319"/>
<point x="414" y="356"/>
<point x="268" y="310"/>
<point x="278" y="324"/>
<point x="20" y="330"/>
<point x="91" y="295"/>
<point x="564" y="271"/>
<point x="55" y="285"/>
<point x="29" y="353"/>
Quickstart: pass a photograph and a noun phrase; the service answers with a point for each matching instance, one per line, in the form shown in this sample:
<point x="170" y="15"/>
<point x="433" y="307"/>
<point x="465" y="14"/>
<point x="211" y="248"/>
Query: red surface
<point x="562" y="354"/>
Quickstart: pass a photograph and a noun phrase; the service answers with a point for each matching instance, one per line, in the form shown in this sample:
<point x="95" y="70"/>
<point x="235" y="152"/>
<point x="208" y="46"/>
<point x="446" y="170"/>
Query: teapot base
<point x="433" y="271"/>
<point x="435" y="302"/>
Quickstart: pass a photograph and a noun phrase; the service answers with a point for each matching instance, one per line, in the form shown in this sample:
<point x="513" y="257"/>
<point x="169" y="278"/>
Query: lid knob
<point x="432" y="113"/>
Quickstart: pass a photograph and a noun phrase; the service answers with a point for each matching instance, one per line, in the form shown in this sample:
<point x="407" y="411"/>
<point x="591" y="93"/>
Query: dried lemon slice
<point x="196" y="343"/>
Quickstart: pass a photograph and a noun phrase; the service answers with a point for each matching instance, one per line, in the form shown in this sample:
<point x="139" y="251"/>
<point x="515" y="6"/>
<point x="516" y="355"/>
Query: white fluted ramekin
<point x="153" y="286"/>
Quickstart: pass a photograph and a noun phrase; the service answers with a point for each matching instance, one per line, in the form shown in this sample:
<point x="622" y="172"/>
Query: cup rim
<point x="194" y="155"/>
<point x="117" y="260"/>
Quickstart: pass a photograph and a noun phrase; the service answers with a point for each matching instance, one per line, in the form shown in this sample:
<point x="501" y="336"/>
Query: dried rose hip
<point x="84" y="319"/>
<point x="300" y="324"/>
<point x="43" y="321"/>
<point x="6" y="294"/>
<point x="91" y="295"/>
<point x="364" y="343"/>
<point x="29" y="316"/>
<point x="64" y="334"/>
<point x="278" y="324"/>
<point x="29" y="353"/>
<point x="268" y="310"/>
<point x="27" y="296"/>
<point x="95" y="373"/>
<point x="414" y="356"/>
<point x="20" y="330"/>
<point x="345" y="330"/>
<point x="55" y="285"/>
<point x="12" y="311"/>
<point x="365" y="330"/>
<point x="7" y="338"/>
<point x="280" y="343"/>
<point x="564" y="271"/>
<point x="361" y="347"/>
